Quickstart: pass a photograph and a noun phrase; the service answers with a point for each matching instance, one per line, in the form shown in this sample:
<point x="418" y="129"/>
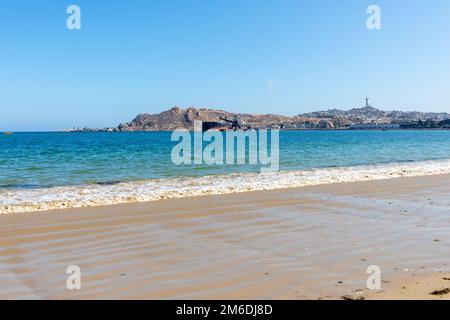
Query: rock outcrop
<point x="177" y="118"/>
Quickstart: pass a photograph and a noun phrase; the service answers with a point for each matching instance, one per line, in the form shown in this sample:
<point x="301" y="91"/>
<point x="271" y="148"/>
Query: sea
<point x="51" y="170"/>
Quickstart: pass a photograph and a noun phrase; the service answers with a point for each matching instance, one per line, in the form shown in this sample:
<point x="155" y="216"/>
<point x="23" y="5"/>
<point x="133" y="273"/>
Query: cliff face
<point x="177" y="118"/>
<point x="172" y="119"/>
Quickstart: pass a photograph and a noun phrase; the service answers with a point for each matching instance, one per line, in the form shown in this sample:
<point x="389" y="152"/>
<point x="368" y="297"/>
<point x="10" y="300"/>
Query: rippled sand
<point x="306" y="243"/>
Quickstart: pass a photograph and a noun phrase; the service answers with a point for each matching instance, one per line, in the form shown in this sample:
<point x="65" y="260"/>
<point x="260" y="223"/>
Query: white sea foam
<point x="20" y="200"/>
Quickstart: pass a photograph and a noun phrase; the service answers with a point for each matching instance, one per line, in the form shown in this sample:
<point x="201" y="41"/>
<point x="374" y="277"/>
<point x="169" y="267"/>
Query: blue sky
<point x="271" y="56"/>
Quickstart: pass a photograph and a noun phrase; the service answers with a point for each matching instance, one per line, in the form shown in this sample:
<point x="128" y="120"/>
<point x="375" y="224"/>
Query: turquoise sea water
<point x="39" y="160"/>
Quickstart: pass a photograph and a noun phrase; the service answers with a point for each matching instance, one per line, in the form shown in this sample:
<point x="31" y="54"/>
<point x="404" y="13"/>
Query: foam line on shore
<point x="29" y="200"/>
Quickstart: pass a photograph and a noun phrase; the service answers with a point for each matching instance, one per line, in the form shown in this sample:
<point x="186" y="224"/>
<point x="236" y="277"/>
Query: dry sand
<point x="307" y="243"/>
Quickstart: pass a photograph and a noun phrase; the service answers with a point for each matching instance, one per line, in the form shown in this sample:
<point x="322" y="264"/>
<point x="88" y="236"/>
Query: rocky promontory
<point x="357" y="118"/>
<point x="177" y="118"/>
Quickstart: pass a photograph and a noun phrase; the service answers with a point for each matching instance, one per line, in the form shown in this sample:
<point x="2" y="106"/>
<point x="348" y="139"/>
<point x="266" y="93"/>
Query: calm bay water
<point x="35" y="160"/>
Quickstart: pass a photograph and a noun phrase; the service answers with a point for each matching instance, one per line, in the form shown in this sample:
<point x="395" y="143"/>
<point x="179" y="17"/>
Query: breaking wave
<point x="28" y="200"/>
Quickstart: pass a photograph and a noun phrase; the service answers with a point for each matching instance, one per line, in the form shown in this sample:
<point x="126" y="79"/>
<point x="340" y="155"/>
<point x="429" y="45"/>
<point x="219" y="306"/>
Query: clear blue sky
<point x="271" y="56"/>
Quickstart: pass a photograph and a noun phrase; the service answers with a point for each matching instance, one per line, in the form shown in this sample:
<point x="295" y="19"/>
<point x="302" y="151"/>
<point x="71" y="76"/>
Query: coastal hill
<point x="366" y="117"/>
<point x="177" y="118"/>
<point x="369" y="112"/>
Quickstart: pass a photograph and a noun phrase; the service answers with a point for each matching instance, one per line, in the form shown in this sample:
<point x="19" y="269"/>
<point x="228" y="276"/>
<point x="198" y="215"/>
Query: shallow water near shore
<point x="40" y="171"/>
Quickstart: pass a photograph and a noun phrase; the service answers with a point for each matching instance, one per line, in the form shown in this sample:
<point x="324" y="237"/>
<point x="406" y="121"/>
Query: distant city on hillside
<point x="364" y="118"/>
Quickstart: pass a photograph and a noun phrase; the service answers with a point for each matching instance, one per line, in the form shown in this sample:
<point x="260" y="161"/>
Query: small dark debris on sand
<point x="347" y="297"/>
<point x="441" y="292"/>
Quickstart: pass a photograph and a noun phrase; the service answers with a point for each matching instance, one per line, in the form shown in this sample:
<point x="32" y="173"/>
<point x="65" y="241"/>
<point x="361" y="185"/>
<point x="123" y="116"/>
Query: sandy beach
<point x="314" y="242"/>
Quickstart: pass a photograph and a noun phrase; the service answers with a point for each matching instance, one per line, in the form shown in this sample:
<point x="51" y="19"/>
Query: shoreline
<point x="314" y="242"/>
<point x="35" y="200"/>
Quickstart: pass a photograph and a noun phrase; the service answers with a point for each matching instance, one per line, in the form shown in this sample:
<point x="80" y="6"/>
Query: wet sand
<point x="305" y="243"/>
